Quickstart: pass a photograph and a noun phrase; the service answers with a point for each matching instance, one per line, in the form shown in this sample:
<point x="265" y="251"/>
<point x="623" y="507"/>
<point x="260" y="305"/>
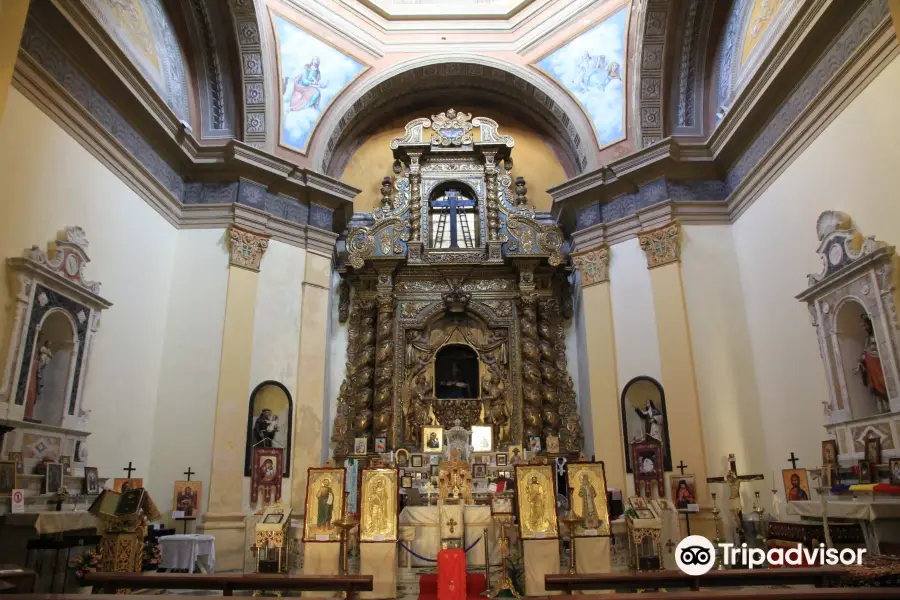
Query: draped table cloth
<point x="427" y="540"/>
<point x="183" y="551"/>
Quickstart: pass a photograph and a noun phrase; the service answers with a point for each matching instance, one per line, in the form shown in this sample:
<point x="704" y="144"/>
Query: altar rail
<point x="110" y="582"/>
<point x="629" y="582"/>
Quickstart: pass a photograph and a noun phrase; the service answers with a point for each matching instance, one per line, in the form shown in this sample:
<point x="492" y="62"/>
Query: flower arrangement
<point x="89" y="562"/>
<point x="152" y="555"/>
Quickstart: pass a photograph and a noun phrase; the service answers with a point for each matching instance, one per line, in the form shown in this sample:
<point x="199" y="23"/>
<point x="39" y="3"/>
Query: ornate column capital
<point x="593" y="264"/>
<point x="247" y="247"/>
<point x="662" y="245"/>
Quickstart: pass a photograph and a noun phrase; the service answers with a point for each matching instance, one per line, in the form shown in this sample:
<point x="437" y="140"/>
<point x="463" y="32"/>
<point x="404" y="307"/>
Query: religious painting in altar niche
<point x="453" y="217"/>
<point x="187" y="498"/>
<point x="644" y="419"/>
<point x="379" y="517"/>
<point x="587" y="484"/>
<point x="269" y="423"/>
<point x="796" y="484"/>
<point x="266" y="475"/>
<point x="536" y="498"/>
<point x="324" y="504"/>
<point x="456" y="373"/>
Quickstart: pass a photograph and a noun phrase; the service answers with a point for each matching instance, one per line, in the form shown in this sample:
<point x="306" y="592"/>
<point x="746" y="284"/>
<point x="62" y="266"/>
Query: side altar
<point x="456" y="291"/>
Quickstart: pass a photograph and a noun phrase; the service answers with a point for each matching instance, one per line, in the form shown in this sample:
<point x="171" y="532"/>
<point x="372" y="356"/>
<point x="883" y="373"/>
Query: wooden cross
<point x="189" y="473"/>
<point x="681" y="466"/>
<point x="452" y="523"/>
<point x="129" y="468"/>
<point x="793" y="460"/>
<point x="670" y="544"/>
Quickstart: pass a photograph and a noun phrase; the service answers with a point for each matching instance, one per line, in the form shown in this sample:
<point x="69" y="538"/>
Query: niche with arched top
<point x="50" y="379"/>
<point x="859" y="360"/>
<point x="453" y="216"/>
<point x="270" y="422"/>
<point x="644" y="416"/>
<point x="456" y="372"/>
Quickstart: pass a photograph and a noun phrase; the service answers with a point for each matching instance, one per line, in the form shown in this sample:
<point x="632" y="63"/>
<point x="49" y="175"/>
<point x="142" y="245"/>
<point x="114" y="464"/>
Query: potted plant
<point x="89" y="562"/>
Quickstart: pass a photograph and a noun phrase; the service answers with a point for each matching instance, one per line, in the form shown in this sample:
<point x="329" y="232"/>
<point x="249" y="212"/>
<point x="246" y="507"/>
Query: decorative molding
<point x="662" y="246"/>
<point x="247" y="247"/>
<point x="649" y="118"/>
<point x="593" y="265"/>
<point x="247" y="33"/>
<point x="215" y="90"/>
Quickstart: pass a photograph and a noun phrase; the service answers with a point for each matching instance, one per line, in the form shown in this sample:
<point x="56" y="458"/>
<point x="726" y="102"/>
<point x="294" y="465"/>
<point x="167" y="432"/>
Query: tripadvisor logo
<point x="696" y="555"/>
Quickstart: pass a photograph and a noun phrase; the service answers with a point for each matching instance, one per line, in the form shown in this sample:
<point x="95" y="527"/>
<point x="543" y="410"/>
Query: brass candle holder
<point x="572" y="521"/>
<point x="346" y="525"/>
<point x="715" y="512"/>
<point x="504" y="583"/>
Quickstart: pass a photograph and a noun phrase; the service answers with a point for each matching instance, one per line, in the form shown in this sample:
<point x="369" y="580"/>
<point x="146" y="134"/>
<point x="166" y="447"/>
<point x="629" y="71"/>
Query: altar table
<point x="427" y="541"/>
<point x="879" y="520"/>
<point x="47" y="522"/>
<point x="183" y="551"/>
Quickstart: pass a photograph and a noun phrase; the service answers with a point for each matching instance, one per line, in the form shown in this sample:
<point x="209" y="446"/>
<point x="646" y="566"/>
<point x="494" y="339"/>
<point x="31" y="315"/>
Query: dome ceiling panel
<point x="438" y="9"/>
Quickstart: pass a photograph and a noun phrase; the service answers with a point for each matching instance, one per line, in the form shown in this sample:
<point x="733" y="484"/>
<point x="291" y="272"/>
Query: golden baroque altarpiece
<point x="500" y="291"/>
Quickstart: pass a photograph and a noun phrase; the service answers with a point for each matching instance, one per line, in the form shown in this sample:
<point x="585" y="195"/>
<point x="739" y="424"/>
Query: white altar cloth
<point x="879" y="519"/>
<point x="427" y="540"/>
<point x="183" y="551"/>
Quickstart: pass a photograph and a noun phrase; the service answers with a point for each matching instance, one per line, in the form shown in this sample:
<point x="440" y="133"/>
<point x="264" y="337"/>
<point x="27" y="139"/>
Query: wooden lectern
<point x="123" y="525"/>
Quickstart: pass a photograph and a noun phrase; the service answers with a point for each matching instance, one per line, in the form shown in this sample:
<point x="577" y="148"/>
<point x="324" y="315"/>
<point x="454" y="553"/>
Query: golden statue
<point x="537" y="516"/>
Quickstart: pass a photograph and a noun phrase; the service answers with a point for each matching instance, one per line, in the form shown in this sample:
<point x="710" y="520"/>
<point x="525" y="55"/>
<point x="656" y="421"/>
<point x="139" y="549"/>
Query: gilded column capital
<point x="593" y="265"/>
<point x="662" y="245"/>
<point x="247" y="247"/>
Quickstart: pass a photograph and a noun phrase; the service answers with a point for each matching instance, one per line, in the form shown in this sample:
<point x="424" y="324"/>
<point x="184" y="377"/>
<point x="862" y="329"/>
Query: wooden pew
<point x="351" y="584"/>
<point x="630" y="582"/>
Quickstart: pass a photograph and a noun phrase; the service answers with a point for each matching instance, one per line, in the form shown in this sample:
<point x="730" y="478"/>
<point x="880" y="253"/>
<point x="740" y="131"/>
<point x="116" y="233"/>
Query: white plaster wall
<point x="336" y="363"/>
<point x="576" y="348"/>
<point x="50" y="181"/>
<point x="276" y="330"/>
<point x="723" y="361"/>
<point x="853" y="167"/>
<point x="189" y="373"/>
<point x="634" y="318"/>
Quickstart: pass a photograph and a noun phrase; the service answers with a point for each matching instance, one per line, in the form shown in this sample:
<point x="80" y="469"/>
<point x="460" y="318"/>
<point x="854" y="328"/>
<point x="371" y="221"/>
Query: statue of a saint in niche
<point x="41" y="360"/>
<point x="653" y="421"/>
<point x="264" y="429"/>
<point x="869" y="367"/>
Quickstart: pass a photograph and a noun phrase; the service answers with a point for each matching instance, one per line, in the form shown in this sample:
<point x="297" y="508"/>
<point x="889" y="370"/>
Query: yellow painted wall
<point x="50" y="181"/>
<point x="533" y="158"/>
<point x="12" y="21"/>
<point x="851" y="167"/>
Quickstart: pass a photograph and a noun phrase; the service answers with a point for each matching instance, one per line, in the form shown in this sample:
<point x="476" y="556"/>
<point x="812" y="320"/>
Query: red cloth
<point x="451" y="568"/>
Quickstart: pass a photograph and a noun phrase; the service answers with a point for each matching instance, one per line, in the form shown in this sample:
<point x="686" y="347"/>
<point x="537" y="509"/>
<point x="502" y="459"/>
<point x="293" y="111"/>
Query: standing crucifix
<point x="453" y="201"/>
<point x="734" y="482"/>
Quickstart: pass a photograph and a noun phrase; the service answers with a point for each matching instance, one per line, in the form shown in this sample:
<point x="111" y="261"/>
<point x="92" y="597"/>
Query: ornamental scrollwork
<point x="451" y="128"/>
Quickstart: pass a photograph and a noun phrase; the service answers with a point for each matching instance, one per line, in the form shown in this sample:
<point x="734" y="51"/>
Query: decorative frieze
<point x="593" y="265"/>
<point x="662" y="245"/>
<point x="247" y="247"/>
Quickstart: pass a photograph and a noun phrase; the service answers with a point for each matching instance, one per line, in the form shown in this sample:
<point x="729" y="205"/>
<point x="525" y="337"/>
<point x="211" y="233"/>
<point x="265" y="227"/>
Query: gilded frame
<point x="315" y="475"/>
<point x="524" y="476"/>
<point x="596" y="472"/>
<point x="391" y="499"/>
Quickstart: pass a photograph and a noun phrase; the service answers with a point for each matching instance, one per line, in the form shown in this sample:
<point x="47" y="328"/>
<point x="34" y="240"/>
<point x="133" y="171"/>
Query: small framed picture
<point x="501" y="459"/>
<point x="380" y="445"/>
<point x="534" y="444"/>
<point x="516" y="455"/>
<point x="402" y="472"/>
<point x="873" y="450"/>
<point x="402" y="458"/>
<point x="433" y="440"/>
<point x="360" y="446"/>
<point x="7" y="477"/>
<point x="91" y="481"/>
<point x="553" y="444"/>
<point x="66" y="462"/>
<point x="479" y="471"/>
<point x="406" y="482"/>
<point x="645" y="513"/>
<point x="435" y="470"/>
<point x="796" y="484"/>
<point x="16" y="457"/>
<point x="482" y="438"/>
<point x="683" y="491"/>
<point x="865" y="471"/>
<point x="416" y="461"/>
<point x="829" y="452"/>
<point x="895" y="471"/>
<point x="53" y="480"/>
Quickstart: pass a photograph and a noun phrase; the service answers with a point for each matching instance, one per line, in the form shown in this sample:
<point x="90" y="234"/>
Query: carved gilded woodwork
<point x="531" y="370"/>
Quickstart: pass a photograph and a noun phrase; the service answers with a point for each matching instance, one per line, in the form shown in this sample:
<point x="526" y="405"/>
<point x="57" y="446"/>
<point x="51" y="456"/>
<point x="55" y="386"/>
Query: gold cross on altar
<point x="734" y="482"/>
<point x="452" y="524"/>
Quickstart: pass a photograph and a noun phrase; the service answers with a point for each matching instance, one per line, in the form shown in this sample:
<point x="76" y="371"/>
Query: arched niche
<point x="643" y="414"/>
<point x="848" y="345"/>
<point x="273" y="428"/>
<point x="454" y="216"/>
<point x="49" y="383"/>
<point x="456" y="368"/>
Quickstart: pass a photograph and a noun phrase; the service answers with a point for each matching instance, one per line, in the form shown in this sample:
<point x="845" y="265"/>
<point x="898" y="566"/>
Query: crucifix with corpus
<point x="734" y="482"/>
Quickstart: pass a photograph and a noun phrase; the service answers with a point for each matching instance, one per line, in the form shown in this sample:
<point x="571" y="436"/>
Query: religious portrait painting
<point x="379" y="515"/>
<point x="873" y="450"/>
<point x="402" y="457"/>
<point x="482" y="438"/>
<point x="502" y="459"/>
<point x="591" y="68"/>
<point x="16" y="457"/>
<point x="324" y="504"/>
<point x="187" y="498"/>
<point x="647" y="458"/>
<point x="534" y="444"/>
<point x="479" y="471"/>
<point x="360" y="446"/>
<point x="516" y="455"/>
<point x="125" y="484"/>
<point x="553" y="444"/>
<point x="895" y="471"/>
<point x="266" y="475"/>
<point x="91" y="481"/>
<point x="587" y="484"/>
<point x="380" y="445"/>
<point x="829" y="452"/>
<point x="433" y="440"/>
<point x="864" y="471"/>
<point x="536" y="499"/>
<point x="66" y="462"/>
<point x="7" y="477"/>
<point x="796" y="484"/>
<point x="637" y="502"/>
<point x="312" y="73"/>
<point x="53" y="479"/>
<point x="684" y="491"/>
<point x="416" y="461"/>
<point x="406" y="481"/>
<point x="645" y="513"/>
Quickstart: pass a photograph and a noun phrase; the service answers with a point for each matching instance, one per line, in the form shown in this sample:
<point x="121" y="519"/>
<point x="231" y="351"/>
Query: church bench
<point x="780" y="594"/>
<point x="626" y="582"/>
<point x="351" y="584"/>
